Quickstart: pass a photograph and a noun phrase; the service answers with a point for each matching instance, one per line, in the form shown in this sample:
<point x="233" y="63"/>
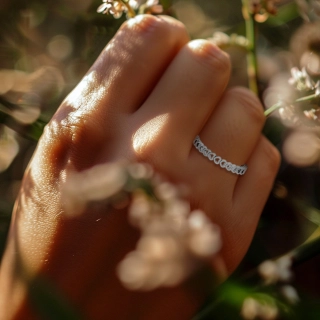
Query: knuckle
<point x="175" y="25"/>
<point x="249" y="102"/>
<point x="209" y="55"/>
<point x="145" y="24"/>
<point x="162" y="28"/>
<point x="140" y="23"/>
<point x="142" y="145"/>
<point x="56" y="141"/>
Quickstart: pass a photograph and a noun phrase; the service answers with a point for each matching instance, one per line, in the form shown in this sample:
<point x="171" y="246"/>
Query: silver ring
<point x="239" y="170"/>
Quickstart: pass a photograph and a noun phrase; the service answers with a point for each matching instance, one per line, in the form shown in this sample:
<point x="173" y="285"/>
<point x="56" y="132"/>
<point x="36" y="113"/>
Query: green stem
<point x="252" y="64"/>
<point x="273" y="108"/>
<point x="131" y="12"/>
<point x="31" y="131"/>
<point x="306" y="98"/>
<point x="279" y="104"/>
<point x="203" y="314"/>
<point x="306" y="251"/>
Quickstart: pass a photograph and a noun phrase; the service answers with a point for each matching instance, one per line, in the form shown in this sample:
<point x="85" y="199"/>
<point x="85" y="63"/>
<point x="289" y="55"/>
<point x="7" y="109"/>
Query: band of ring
<point x="239" y="170"/>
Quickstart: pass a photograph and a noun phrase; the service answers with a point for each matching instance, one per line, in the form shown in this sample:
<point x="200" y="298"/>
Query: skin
<point x="147" y="96"/>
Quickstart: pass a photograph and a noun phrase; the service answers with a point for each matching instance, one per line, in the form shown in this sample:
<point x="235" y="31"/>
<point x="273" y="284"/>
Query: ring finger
<point x="231" y="132"/>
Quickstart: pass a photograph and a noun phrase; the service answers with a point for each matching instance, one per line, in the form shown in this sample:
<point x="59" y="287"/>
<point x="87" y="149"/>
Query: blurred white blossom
<point x="9" y="148"/>
<point x="97" y="183"/>
<point x="222" y="40"/>
<point x="302" y="147"/>
<point x="254" y="309"/>
<point x="278" y="270"/>
<point x="174" y="240"/>
<point x="301" y="79"/>
<point x="290" y="293"/>
<point x="167" y="249"/>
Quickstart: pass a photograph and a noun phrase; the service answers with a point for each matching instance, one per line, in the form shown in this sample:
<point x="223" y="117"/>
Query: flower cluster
<point x="262" y="6"/>
<point x="222" y="40"/>
<point x="306" y="108"/>
<point x="279" y="271"/>
<point x="302" y="81"/>
<point x="9" y="147"/>
<point x="95" y="184"/>
<point x="118" y="8"/>
<point x="114" y="8"/>
<point x="174" y="240"/>
<point x="261" y="305"/>
<point x="274" y="271"/>
<point x="259" y="309"/>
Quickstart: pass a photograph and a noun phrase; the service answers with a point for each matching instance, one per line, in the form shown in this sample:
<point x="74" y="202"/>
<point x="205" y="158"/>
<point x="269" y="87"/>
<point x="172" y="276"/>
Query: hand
<point x="146" y="98"/>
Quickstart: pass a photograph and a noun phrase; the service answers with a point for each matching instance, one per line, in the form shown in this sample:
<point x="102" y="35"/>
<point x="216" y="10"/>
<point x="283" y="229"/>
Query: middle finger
<point x="183" y="100"/>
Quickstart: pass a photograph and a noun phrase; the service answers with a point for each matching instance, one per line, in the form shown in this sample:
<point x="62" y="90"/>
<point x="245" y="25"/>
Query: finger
<point x="185" y="96"/>
<point x="250" y="196"/>
<point x="128" y="68"/>
<point x="231" y="133"/>
<point x="252" y="190"/>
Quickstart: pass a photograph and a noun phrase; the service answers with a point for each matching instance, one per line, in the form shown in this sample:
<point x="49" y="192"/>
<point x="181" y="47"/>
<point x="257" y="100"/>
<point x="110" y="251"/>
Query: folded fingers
<point x="182" y="101"/>
<point x="126" y="71"/>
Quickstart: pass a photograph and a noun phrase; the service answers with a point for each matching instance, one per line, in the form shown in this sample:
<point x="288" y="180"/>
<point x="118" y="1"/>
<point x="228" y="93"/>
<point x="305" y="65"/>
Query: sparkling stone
<point x="223" y="163"/>
<point x="217" y="160"/>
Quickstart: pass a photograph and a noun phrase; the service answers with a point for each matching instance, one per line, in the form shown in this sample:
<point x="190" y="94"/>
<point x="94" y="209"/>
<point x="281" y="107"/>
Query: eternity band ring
<point x="199" y="145"/>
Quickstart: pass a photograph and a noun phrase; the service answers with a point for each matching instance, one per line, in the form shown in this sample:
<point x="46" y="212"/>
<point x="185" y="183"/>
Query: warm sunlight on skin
<point x="79" y="96"/>
<point x="145" y="98"/>
<point x="149" y="132"/>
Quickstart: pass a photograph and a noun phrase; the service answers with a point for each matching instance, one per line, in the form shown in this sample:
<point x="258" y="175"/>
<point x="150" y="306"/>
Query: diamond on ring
<point x="199" y="145"/>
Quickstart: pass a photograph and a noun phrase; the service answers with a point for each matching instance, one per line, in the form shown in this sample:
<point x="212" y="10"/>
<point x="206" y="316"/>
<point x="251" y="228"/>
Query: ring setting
<point x="224" y="164"/>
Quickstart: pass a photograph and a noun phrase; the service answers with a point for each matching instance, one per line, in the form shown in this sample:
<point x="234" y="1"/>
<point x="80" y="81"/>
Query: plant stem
<point x="303" y="253"/>
<point x="131" y="12"/>
<point x="273" y="108"/>
<point x="306" y="98"/>
<point x="252" y="65"/>
<point x="31" y="131"/>
<point x="279" y="104"/>
<point x="205" y="312"/>
<point x="306" y="251"/>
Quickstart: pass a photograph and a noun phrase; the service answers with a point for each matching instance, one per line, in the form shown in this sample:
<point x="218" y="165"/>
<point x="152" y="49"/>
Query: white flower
<point x="97" y="183"/>
<point x="301" y="79"/>
<point x="284" y="268"/>
<point x="140" y="170"/>
<point x="290" y="293"/>
<point x="166" y="191"/>
<point x="317" y="87"/>
<point x="9" y="148"/>
<point x="115" y="8"/>
<point x="252" y="309"/>
<point x="140" y="210"/>
<point x="278" y="270"/>
<point x="159" y="247"/>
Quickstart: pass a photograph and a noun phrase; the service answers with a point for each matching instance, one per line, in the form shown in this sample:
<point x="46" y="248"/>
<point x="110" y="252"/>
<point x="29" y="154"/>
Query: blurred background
<point x="46" y="46"/>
